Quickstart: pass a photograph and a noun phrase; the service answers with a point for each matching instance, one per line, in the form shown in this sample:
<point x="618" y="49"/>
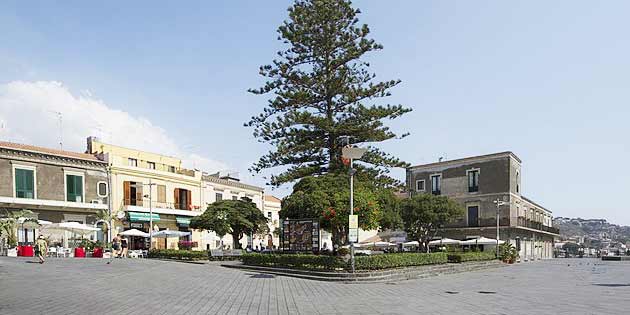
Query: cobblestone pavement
<point x="90" y="286"/>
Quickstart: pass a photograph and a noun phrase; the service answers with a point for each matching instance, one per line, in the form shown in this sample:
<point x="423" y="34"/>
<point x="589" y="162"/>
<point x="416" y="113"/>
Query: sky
<point x="547" y="80"/>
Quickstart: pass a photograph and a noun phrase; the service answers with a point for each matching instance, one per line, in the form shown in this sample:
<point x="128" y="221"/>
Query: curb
<point x="376" y="276"/>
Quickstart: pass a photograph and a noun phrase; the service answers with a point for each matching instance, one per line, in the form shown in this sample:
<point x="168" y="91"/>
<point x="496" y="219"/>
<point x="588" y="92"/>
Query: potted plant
<point x="508" y="253"/>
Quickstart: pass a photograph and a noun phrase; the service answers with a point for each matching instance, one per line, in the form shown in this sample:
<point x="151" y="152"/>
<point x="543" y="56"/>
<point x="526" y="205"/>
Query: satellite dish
<point x="120" y="215"/>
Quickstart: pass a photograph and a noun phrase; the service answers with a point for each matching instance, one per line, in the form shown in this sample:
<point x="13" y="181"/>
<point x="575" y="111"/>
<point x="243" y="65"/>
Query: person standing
<point x="124" y="247"/>
<point x="41" y="248"/>
<point x="115" y="248"/>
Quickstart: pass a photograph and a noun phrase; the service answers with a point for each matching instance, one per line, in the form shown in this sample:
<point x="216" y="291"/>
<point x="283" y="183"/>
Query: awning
<point x="183" y="221"/>
<point x="143" y="217"/>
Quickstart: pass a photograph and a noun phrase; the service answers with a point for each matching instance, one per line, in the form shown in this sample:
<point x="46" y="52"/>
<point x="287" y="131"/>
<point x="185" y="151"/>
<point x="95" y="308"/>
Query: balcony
<point x="524" y="222"/>
<point x="157" y="204"/>
<point x="161" y="208"/>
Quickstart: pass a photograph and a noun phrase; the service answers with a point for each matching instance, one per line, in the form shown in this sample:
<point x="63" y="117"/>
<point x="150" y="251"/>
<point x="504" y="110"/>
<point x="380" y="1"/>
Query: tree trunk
<point x="236" y="241"/>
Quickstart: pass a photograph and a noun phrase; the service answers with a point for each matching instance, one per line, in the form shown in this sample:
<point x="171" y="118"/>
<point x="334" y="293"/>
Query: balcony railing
<point x="157" y="204"/>
<point x="536" y="225"/>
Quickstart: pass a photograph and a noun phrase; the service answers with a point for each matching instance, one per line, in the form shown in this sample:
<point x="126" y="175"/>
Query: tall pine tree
<point x="322" y="93"/>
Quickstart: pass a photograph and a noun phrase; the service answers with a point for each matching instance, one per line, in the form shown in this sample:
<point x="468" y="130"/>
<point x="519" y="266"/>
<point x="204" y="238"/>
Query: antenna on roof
<point x="60" y="116"/>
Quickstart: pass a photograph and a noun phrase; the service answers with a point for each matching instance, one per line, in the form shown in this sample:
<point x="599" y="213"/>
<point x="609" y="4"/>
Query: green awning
<point x="143" y="217"/>
<point x="183" y="221"/>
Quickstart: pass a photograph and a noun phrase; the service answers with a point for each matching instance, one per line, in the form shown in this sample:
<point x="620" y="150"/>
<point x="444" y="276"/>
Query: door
<point x="473" y="216"/>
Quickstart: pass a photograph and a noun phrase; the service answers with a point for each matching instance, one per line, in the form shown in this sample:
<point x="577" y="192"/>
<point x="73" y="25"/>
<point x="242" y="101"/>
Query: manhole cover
<point x="486" y="292"/>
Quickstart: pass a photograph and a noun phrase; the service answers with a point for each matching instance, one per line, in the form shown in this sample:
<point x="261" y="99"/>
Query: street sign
<point x="353" y="221"/>
<point x="353" y="235"/>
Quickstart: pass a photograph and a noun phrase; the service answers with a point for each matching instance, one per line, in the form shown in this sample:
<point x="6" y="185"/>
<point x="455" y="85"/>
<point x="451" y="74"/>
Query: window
<point x="420" y="185"/>
<point x="518" y="244"/>
<point x="25" y="183"/>
<point x="436" y="184"/>
<point x="74" y="188"/>
<point x="234" y="197"/>
<point x="151" y="165"/>
<point x="183" y="199"/>
<point x="218" y="196"/>
<point x="473" y="180"/>
<point x="161" y="193"/>
<point x="133" y="162"/>
<point x="133" y="193"/>
<point x="101" y="189"/>
<point x="517" y="182"/>
<point x="269" y="214"/>
<point x="171" y="169"/>
<point x="473" y="216"/>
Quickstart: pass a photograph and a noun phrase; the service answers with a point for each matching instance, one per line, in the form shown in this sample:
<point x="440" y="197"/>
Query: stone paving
<point x="134" y="286"/>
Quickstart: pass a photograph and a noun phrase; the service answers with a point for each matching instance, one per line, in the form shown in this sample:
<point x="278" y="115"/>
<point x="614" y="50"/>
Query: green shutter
<point x="74" y="188"/>
<point x="24" y="184"/>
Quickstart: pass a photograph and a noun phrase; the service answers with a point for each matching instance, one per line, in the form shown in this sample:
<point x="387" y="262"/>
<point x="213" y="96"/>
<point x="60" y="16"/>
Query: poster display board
<point x="300" y="235"/>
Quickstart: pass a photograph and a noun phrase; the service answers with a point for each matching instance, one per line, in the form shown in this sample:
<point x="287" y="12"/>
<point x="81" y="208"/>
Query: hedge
<point x="397" y="260"/>
<point x="298" y="261"/>
<point x="178" y="254"/>
<point x="470" y="256"/>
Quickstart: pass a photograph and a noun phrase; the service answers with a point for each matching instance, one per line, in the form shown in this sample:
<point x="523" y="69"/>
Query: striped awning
<point x="143" y="217"/>
<point x="183" y="221"/>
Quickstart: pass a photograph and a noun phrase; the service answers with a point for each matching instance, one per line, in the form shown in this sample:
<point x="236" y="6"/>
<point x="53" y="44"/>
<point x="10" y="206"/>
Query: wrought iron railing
<point x="524" y="222"/>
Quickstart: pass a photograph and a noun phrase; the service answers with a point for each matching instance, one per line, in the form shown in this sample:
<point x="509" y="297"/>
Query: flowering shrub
<point x="186" y="245"/>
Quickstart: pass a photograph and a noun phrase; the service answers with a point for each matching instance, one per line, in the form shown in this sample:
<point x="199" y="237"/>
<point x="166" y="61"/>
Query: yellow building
<point x="144" y="182"/>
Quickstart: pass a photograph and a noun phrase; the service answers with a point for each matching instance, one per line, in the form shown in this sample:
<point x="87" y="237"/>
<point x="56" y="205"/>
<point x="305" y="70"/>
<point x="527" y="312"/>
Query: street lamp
<point x="150" y="209"/>
<point x="499" y="203"/>
<point x="352" y="153"/>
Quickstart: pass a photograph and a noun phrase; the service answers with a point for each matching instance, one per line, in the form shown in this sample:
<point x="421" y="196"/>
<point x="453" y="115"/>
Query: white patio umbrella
<point x="482" y="241"/>
<point x="412" y="243"/>
<point x="445" y="241"/>
<point x="362" y="245"/>
<point x="384" y="244"/>
<point x="73" y="227"/>
<point x="134" y="232"/>
<point x="168" y="233"/>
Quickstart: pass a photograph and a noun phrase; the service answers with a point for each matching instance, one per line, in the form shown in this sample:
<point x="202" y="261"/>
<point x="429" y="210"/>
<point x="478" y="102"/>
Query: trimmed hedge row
<point x="298" y="261"/>
<point x="470" y="256"/>
<point x="397" y="260"/>
<point x="178" y="254"/>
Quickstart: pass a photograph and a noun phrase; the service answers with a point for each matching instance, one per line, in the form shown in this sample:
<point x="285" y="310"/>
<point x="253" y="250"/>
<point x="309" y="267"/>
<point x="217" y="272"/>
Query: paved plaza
<point x="90" y="286"/>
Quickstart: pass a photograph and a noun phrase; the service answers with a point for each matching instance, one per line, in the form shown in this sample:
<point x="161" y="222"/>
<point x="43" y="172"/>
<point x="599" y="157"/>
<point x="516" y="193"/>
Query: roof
<point x="42" y="150"/>
<point x="271" y="198"/>
<point x="535" y="204"/>
<point x="471" y="158"/>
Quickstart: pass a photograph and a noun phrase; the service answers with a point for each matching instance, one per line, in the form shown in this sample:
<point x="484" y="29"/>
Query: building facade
<point x="478" y="183"/>
<point x="144" y="183"/>
<point x="58" y="186"/>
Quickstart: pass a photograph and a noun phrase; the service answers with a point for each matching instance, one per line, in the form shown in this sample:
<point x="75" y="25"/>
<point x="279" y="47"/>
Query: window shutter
<point x="139" y="195"/>
<point x="161" y="193"/>
<point x="189" y="200"/>
<point x="176" y="198"/>
<point x="127" y="193"/>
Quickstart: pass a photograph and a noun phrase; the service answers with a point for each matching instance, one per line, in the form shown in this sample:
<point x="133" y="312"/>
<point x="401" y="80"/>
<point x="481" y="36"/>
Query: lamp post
<point x="499" y="203"/>
<point x="352" y="153"/>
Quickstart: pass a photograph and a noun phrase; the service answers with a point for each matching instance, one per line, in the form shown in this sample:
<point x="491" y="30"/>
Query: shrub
<point x="298" y="261"/>
<point x="507" y="253"/>
<point x="470" y="256"/>
<point x="386" y="261"/>
<point x="186" y="245"/>
<point x="178" y="254"/>
<point x="343" y="251"/>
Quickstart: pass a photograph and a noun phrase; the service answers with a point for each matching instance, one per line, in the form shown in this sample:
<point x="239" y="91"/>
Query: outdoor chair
<point x="52" y="251"/>
<point x="61" y="251"/>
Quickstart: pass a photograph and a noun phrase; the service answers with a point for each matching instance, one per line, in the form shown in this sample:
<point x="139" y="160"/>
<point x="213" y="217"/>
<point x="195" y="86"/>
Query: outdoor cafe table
<point x="79" y="252"/>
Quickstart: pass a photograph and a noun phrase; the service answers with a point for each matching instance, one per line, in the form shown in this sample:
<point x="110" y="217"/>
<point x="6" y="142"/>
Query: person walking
<point x="115" y="248"/>
<point x="41" y="249"/>
<point x="124" y="247"/>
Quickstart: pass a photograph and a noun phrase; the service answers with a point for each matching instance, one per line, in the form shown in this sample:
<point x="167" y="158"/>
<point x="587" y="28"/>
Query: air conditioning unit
<point x="96" y="201"/>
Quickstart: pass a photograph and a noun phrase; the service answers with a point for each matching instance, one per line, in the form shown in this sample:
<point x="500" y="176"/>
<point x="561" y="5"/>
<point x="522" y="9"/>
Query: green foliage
<point x="470" y="256"/>
<point x="424" y="214"/>
<point x="327" y="198"/>
<point x="9" y="224"/>
<point x="297" y="261"/>
<point x="178" y="254"/>
<point x="397" y="260"/>
<point x="236" y="217"/>
<point x="323" y="91"/>
<point x="507" y="252"/>
<point x="343" y="251"/>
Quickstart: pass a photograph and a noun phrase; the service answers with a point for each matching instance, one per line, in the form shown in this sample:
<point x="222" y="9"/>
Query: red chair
<point x="79" y="252"/>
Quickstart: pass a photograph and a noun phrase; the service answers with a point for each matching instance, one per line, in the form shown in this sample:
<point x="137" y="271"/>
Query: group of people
<point x="120" y="246"/>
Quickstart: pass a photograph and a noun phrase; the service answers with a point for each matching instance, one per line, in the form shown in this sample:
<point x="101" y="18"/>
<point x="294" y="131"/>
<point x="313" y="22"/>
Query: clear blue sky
<point x="548" y="80"/>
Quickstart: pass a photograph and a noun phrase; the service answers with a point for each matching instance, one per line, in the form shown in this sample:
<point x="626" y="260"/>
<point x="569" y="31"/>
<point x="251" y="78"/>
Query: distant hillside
<point x="592" y="229"/>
